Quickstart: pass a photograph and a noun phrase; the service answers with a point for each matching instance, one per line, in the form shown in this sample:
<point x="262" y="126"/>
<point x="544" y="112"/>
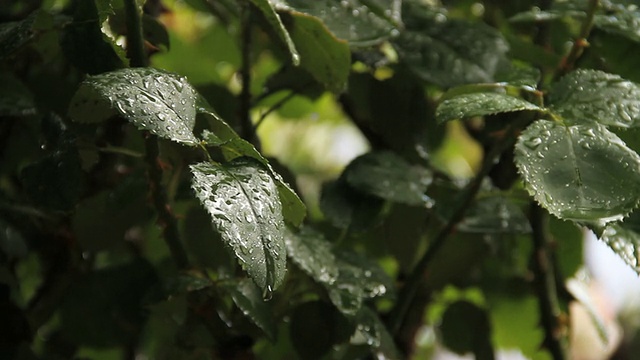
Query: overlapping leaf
<point x="495" y="214"/>
<point x="480" y="104"/>
<point x="248" y="298"/>
<point x="624" y="240"/>
<point x="372" y="331"/>
<point x="274" y="20"/>
<point x="390" y="177"/>
<point x="242" y="199"/>
<point x="313" y="254"/>
<point x="154" y="100"/>
<point x="579" y="172"/>
<point x="595" y="96"/>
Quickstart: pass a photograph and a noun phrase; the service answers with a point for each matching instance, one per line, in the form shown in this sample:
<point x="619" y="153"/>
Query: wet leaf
<point x="154" y="100"/>
<point x="449" y="52"/>
<point x="273" y="19"/>
<point x="242" y="199"/>
<point x="373" y="332"/>
<point x="495" y="214"/>
<point x="466" y="328"/>
<point x="480" y="104"/>
<point x="620" y="20"/>
<point x="624" y="240"/>
<point x="595" y="96"/>
<point x="248" y="298"/>
<point x="312" y="253"/>
<point x="360" y="22"/>
<point x="579" y="172"/>
<point x="347" y="208"/>
<point x="390" y="177"/>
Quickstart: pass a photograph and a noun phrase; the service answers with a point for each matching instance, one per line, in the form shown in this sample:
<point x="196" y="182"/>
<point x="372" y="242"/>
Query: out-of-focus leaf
<point x="390" y="177"/>
<point x="86" y="46"/>
<point x="449" y="52"/>
<point x="624" y="240"/>
<point x="372" y="331"/>
<point x="202" y="242"/>
<point x="579" y="172"/>
<point x="154" y="32"/>
<point x="249" y="299"/>
<point x="347" y="208"/>
<point x="315" y="327"/>
<point x="620" y="20"/>
<point x="569" y="239"/>
<point x="56" y="181"/>
<point x="15" y="34"/>
<point x="312" y="253"/>
<point x="113" y="299"/>
<point x="243" y="202"/>
<point x="154" y="100"/>
<point x="595" y="96"/>
<point x="325" y="57"/>
<point x="580" y="292"/>
<point x="12" y="243"/>
<point x="276" y="24"/>
<point x="15" y="98"/>
<point x="481" y="104"/>
<point x="360" y="22"/>
<point x="495" y="214"/>
<point x="186" y="282"/>
<point x="466" y="328"/>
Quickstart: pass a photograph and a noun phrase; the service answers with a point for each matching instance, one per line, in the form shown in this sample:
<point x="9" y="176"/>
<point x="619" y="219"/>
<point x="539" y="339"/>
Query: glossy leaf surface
<point x="242" y="199"/>
<point x="153" y="100"/>
<point x="276" y="24"/>
<point x="373" y="332"/>
<point x="249" y="299"/>
<point x="480" y="104"/>
<point x="579" y="172"/>
<point x="624" y="240"/>
<point x="313" y="254"/>
<point x="595" y="96"/>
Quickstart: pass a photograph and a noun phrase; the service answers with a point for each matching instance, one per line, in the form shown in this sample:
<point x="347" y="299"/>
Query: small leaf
<point x="273" y="19"/>
<point x="312" y="253"/>
<point x="466" y="328"/>
<point x="322" y="55"/>
<point x="595" y="96"/>
<point x="624" y="240"/>
<point x="480" y="104"/>
<point x="243" y="202"/>
<point x="248" y="298"/>
<point x="15" y="34"/>
<point x="580" y="292"/>
<point x="495" y="214"/>
<point x="154" y="100"/>
<point x="449" y="52"/>
<point x="579" y="172"/>
<point x="360" y="22"/>
<point x="390" y="177"/>
<point x="347" y="208"/>
<point x="372" y="331"/>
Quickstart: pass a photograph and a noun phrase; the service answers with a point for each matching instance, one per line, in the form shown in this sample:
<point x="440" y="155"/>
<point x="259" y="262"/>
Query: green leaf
<point x="624" y="240"/>
<point x="495" y="214"/>
<point x="595" y="96"/>
<point x="359" y="279"/>
<point x="466" y="328"/>
<point x="322" y="55"/>
<point x="15" y="98"/>
<point x="248" y="298"/>
<point x="154" y="100"/>
<point x="360" y="22"/>
<point x="579" y="172"/>
<point x="621" y="21"/>
<point x="243" y="202"/>
<point x="16" y="34"/>
<point x="581" y="292"/>
<point x="312" y="253"/>
<point x="347" y="208"/>
<point x="481" y="104"/>
<point x="373" y="332"/>
<point x="273" y="19"/>
<point x="449" y="52"/>
<point x="390" y="177"/>
<point x="233" y="146"/>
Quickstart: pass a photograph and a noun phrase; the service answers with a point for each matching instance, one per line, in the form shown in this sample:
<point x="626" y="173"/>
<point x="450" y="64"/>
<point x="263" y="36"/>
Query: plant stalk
<point x="247" y="130"/>
<point x="545" y="285"/>
<point x="135" y="40"/>
<point x="568" y="63"/>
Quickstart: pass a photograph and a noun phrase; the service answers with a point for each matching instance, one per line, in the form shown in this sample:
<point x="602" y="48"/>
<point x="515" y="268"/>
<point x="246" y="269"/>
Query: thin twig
<point x="545" y="286"/>
<point x="273" y="108"/>
<point x="135" y="41"/>
<point x="580" y="43"/>
<point x="246" y="127"/>
<point x="410" y="288"/>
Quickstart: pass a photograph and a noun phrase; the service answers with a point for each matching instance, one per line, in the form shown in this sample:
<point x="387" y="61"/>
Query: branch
<point x="246" y="127"/>
<point x="410" y="288"/>
<point x="135" y="41"/>
<point x="580" y="43"/>
<point x="545" y="286"/>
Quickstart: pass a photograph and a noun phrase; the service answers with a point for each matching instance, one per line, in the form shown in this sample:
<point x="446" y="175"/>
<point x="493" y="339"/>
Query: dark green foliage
<point x="448" y="155"/>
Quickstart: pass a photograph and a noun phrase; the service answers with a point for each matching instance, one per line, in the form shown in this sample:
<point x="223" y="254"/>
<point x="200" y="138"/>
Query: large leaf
<point x="322" y="55"/>
<point x="249" y="299"/>
<point x="449" y="52"/>
<point x="312" y="253"/>
<point x="233" y="146"/>
<point x="274" y="20"/>
<point x="388" y="176"/>
<point x="154" y="100"/>
<point x="480" y="104"/>
<point x="595" y="96"/>
<point x="360" y="22"/>
<point x="620" y="20"/>
<point x="579" y="172"/>
<point x="242" y="199"/>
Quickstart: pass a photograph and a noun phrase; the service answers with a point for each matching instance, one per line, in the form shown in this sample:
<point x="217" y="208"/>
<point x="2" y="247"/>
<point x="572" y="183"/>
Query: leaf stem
<point x="273" y="108"/>
<point x="135" y="41"/>
<point x="410" y="288"/>
<point x="545" y="285"/>
<point x="580" y="43"/>
<point x="166" y="219"/>
<point x="246" y="127"/>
